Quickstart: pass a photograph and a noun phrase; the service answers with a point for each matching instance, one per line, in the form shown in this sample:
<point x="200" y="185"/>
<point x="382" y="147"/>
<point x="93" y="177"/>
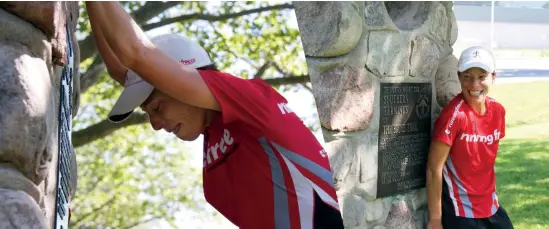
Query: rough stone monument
<point x="39" y="91"/>
<point x="380" y="71"/>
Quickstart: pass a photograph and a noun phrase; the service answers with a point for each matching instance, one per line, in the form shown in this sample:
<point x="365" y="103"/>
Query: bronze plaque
<point x="404" y="137"/>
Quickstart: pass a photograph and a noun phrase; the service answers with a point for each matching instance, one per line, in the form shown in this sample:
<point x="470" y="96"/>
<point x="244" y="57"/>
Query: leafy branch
<point x="145" y="13"/>
<point x="211" y="18"/>
<point x="105" y="128"/>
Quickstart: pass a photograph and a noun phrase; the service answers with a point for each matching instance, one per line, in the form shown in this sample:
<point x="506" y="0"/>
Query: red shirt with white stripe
<point x="261" y="163"/>
<point x="469" y="172"/>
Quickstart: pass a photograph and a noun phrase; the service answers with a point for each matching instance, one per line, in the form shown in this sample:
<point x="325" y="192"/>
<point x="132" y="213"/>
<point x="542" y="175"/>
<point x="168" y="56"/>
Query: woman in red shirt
<point x="263" y="168"/>
<point x="461" y="181"/>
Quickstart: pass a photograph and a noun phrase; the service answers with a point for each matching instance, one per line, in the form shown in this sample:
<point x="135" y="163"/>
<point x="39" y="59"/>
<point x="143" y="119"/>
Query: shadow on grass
<point x="522" y="170"/>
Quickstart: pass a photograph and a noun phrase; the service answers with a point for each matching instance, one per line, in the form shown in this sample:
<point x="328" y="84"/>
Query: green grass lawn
<point x="522" y="166"/>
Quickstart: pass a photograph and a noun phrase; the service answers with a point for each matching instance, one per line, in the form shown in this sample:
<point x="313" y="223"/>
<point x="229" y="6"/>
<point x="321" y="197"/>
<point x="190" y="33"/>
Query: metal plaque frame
<point x="404" y="137"/>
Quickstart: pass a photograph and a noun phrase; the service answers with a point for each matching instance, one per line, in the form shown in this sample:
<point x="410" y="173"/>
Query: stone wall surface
<point x="32" y="53"/>
<point x="352" y="47"/>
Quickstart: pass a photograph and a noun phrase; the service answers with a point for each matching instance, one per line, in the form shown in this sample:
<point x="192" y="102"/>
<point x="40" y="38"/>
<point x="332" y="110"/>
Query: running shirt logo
<point x="284" y="108"/>
<point x="456" y="110"/>
<point x="217" y="153"/>
<point x="481" y="138"/>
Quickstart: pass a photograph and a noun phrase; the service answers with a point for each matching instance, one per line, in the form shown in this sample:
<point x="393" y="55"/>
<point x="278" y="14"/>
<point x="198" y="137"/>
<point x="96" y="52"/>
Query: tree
<point x="128" y="175"/>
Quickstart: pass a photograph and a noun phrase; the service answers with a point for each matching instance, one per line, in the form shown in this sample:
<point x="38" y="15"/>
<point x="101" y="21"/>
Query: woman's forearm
<point x="136" y="52"/>
<point x="114" y="67"/>
<point x="121" y="33"/>
<point x="434" y="194"/>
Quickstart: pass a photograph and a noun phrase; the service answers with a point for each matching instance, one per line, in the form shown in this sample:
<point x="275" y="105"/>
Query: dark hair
<point x="212" y="67"/>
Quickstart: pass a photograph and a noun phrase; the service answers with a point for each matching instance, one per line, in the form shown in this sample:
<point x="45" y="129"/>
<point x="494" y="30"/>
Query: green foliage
<point x="522" y="181"/>
<point x="83" y="27"/>
<point x="135" y="174"/>
<point x="130" y="176"/>
<point x="521" y="165"/>
<point x="520" y="112"/>
<point x="248" y="40"/>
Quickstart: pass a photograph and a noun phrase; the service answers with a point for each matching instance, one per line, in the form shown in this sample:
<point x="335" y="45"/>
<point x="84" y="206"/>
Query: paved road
<point x="506" y="73"/>
<point x="511" y="70"/>
<point x="541" y="63"/>
<point x="521" y="75"/>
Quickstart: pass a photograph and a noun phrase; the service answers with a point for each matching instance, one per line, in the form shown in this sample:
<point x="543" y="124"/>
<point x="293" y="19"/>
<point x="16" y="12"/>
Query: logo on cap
<point x="476" y="54"/>
<point x="187" y="62"/>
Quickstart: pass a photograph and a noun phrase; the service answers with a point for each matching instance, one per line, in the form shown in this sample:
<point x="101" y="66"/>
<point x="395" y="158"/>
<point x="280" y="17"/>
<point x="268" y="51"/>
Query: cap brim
<point x="131" y="98"/>
<point x="475" y="64"/>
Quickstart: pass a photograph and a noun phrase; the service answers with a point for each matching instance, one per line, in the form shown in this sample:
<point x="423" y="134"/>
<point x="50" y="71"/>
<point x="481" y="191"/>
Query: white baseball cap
<point x="136" y="90"/>
<point x="477" y="56"/>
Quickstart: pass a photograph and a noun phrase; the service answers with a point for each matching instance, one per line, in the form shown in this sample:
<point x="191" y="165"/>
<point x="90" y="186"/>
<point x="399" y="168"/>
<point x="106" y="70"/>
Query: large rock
<point x="331" y="28"/>
<point x="376" y="16"/>
<point x="400" y="42"/>
<point x="19" y="211"/>
<point x="388" y="53"/>
<point x="50" y="18"/>
<point x="355" y="58"/>
<point x="447" y="82"/>
<point x="408" y="16"/>
<point x="345" y="98"/>
<point x="29" y="130"/>
<point x="351" y="157"/>
<point x="424" y="59"/>
<point x="33" y="46"/>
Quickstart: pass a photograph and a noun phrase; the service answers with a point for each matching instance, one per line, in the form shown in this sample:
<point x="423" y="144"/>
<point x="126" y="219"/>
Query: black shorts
<point x="500" y="220"/>
<point x="325" y="216"/>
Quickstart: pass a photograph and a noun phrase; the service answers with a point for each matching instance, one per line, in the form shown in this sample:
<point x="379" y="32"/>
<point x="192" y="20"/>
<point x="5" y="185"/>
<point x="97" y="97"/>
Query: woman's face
<point x="475" y="84"/>
<point x="185" y="121"/>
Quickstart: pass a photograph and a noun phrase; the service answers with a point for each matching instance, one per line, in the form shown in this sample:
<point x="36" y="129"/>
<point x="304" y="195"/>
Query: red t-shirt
<point x="469" y="176"/>
<point x="261" y="163"/>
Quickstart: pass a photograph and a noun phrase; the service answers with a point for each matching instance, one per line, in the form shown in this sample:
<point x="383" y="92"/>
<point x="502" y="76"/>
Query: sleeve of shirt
<point x="447" y="126"/>
<point x="248" y="101"/>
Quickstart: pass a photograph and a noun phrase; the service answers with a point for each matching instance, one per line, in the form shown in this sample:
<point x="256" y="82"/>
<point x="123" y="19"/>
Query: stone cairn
<point x="351" y="48"/>
<point x="33" y="55"/>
